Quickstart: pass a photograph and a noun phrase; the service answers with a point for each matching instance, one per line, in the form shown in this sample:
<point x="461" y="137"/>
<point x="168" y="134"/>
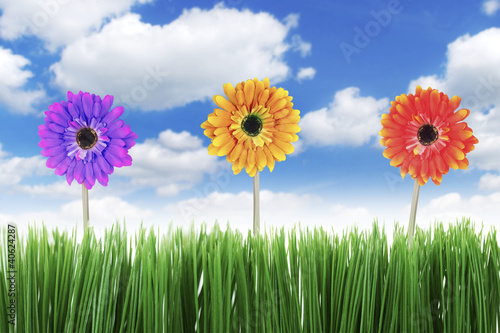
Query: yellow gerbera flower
<point x="254" y="126"/>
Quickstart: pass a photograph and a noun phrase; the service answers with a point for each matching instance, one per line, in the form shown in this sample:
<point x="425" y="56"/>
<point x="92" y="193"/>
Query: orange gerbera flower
<point x="254" y="128"/>
<point x="425" y="136"/>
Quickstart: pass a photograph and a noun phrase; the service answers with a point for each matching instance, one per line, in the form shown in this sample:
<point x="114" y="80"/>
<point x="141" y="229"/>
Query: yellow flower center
<point x="427" y="134"/>
<point x="86" y="138"/>
<point x="252" y="125"/>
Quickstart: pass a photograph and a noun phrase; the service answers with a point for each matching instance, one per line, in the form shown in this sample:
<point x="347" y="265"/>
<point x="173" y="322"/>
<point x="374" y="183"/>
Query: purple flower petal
<point x="56" y="150"/>
<point x="48" y="134"/>
<point x="88" y="185"/>
<point x="129" y="143"/>
<point x="55" y="160"/>
<point x="77" y="103"/>
<point x="72" y="110"/>
<point x="79" y="172"/>
<point x="98" y="172"/>
<point x="113" y="115"/>
<point x="96" y="110"/>
<point x="127" y="160"/>
<point x="117" y="151"/>
<point x="43" y="127"/>
<point x="106" y="104"/>
<point x="89" y="174"/>
<point x="69" y="173"/>
<point x="132" y="135"/>
<point x="56" y="128"/>
<point x="47" y="143"/>
<point x="104" y="165"/>
<point x="87" y="106"/>
<point x="61" y="110"/>
<point x="69" y="96"/>
<point x="104" y="180"/>
<point x="117" y="142"/>
<point x="57" y="118"/>
<point x="115" y="125"/>
<point x="62" y="167"/>
<point x="112" y="159"/>
<point x="119" y="133"/>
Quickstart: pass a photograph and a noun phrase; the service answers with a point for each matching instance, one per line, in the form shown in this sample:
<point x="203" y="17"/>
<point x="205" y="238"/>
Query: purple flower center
<point x="86" y="138"/>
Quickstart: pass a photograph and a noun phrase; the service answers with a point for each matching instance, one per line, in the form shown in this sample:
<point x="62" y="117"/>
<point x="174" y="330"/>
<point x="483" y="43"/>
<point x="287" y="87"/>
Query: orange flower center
<point x="427" y="134"/>
<point x="86" y="138"/>
<point x="252" y="125"/>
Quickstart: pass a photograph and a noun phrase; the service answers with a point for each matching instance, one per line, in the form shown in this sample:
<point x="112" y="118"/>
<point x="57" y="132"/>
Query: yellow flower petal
<point x="260" y="158"/>
<point x="243" y="159"/>
<point x="250" y="159"/>
<point x="222" y="139"/>
<point x="270" y="158"/>
<point x="226" y="148"/>
<point x="230" y="93"/>
<point x="286" y="147"/>
<point x="219" y="122"/>
<point x="223" y="103"/>
<point x="290" y="128"/>
<point x="277" y="152"/>
<point x="249" y="91"/>
<point x="213" y="150"/>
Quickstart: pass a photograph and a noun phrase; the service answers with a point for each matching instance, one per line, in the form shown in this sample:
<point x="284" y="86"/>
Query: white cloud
<point x="490" y="7"/>
<point x="472" y="71"/>
<point x="300" y="46"/>
<point x="14" y="169"/>
<point x="485" y="127"/>
<point x="199" y="51"/>
<point x="278" y="209"/>
<point x="170" y="163"/>
<point x="12" y="81"/>
<point x="350" y="120"/>
<point x="453" y="206"/>
<point x="489" y="182"/>
<point x="306" y="73"/>
<point x="103" y="214"/>
<point x="58" y="22"/>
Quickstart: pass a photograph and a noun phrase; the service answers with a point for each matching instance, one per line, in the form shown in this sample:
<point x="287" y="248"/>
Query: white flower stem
<point x="413" y="213"/>
<point x="256" y="204"/>
<point x="85" y="203"/>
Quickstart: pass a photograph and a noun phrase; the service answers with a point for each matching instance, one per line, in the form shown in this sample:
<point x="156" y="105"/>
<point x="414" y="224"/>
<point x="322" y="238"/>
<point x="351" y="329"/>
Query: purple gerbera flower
<point x="84" y="140"/>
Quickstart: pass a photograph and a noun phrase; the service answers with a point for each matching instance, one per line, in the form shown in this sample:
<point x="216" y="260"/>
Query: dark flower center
<point x="427" y="134"/>
<point x="252" y="125"/>
<point x="86" y="138"/>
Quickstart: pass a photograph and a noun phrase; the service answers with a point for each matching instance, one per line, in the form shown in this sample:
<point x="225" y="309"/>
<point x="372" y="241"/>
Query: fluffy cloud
<point x="490" y="7"/>
<point x="350" y="120"/>
<point x="277" y="209"/>
<point x="453" y="206"/>
<point x="170" y="163"/>
<point x="103" y="214"/>
<point x="12" y="80"/>
<point x="485" y="127"/>
<point x="198" y="51"/>
<point x="489" y="182"/>
<point x="306" y="73"/>
<point x="14" y="169"/>
<point x="472" y="70"/>
<point x="58" y="22"/>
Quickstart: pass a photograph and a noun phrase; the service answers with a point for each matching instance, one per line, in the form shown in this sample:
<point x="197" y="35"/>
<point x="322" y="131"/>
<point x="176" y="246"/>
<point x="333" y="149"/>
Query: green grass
<point x="301" y="281"/>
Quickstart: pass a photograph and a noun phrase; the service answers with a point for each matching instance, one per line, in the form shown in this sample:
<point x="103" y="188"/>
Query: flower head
<point x="84" y="140"/>
<point x="425" y="136"/>
<point x="254" y="126"/>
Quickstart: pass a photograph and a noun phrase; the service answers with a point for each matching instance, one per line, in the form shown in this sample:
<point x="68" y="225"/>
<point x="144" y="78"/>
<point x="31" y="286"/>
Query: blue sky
<point x="164" y="60"/>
